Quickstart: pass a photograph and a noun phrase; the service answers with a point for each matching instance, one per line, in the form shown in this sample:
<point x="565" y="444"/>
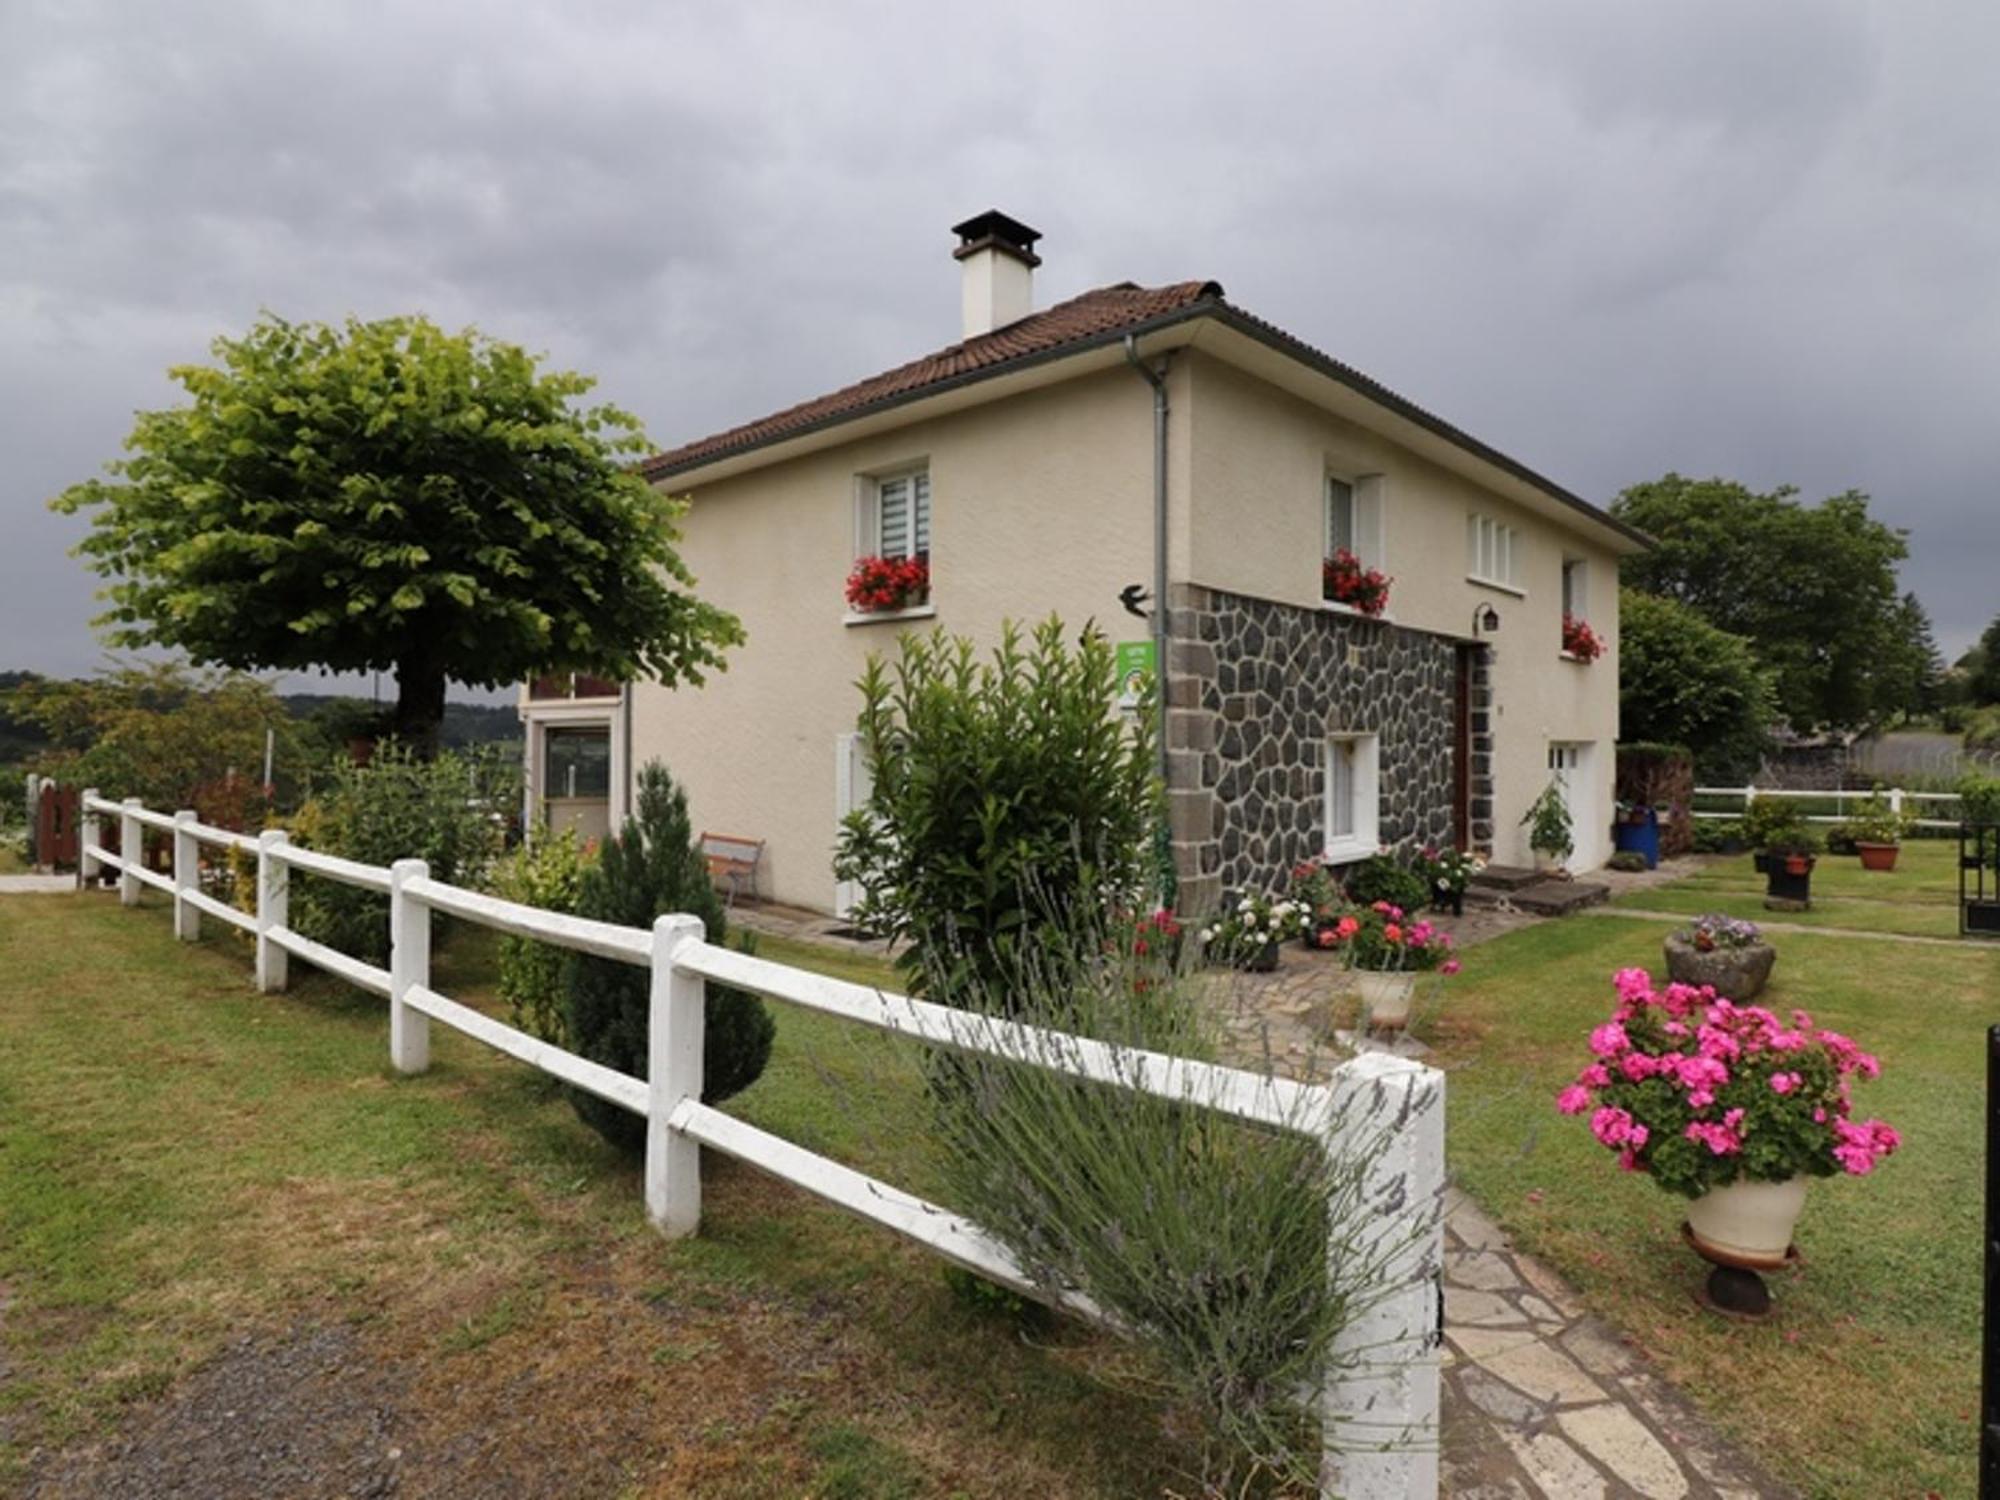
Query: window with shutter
<point x="902" y="519"/>
<point x="1492" y="552"/>
<point x="1340" y="532"/>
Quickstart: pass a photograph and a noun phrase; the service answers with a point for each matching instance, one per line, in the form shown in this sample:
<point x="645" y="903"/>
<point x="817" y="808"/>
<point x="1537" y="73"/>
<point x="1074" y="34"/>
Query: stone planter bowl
<point x="1736" y="973"/>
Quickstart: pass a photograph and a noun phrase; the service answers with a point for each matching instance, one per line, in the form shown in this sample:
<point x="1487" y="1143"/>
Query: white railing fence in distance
<point x="1379" y="1400"/>
<point x="1927" y="809"/>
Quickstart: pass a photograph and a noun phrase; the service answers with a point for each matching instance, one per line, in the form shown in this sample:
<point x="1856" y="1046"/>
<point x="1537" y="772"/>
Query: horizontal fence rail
<point x="1379" y="1401"/>
<point x="1897" y="798"/>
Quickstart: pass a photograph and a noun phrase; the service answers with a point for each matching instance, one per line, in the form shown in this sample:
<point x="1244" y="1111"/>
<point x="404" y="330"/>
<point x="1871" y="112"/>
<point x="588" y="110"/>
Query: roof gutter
<point x="1157" y="379"/>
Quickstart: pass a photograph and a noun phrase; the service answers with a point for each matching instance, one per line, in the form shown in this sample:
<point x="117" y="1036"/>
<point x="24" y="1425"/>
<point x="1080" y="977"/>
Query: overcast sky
<point x="1759" y="240"/>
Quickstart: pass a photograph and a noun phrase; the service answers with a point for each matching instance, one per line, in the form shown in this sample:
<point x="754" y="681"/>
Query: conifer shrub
<point x="652" y="866"/>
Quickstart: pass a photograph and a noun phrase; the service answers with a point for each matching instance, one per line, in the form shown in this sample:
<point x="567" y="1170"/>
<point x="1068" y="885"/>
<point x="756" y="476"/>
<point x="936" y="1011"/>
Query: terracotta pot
<point x="1386" y="997"/>
<point x="1877" y="856"/>
<point x="1747" y="1224"/>
<point x="1798" y="864"/>
<point x="1738" y="973"/>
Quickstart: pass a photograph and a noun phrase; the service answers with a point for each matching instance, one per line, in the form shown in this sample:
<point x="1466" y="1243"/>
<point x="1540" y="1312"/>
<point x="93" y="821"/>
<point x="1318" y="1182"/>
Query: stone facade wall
<point x="1255" y="687"/>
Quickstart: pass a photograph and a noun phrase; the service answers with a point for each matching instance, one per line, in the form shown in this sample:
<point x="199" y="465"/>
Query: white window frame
<point x="1493" y="553"/>
<point x="868" y="509"/>
<point x="1365" y="516"/>
<point x="1363" y="838"/>
<point x="1576" y="587"/>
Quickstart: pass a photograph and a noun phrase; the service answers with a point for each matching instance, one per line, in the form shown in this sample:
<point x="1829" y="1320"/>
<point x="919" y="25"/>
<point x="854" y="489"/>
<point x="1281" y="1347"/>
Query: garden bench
<point x="732" y="862"/>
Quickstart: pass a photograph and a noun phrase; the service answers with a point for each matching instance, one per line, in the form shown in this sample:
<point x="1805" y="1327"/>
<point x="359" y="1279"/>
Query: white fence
<point x="1918" y="804"/>
<point x="1379" y="1403"/>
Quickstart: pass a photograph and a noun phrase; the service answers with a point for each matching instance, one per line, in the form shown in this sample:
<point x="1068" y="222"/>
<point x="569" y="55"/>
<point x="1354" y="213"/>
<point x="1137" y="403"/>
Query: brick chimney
<point x="999" y="260"/>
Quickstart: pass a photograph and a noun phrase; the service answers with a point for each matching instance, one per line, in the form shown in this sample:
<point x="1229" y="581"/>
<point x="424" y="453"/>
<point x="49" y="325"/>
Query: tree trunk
<point x="419" y="704"/>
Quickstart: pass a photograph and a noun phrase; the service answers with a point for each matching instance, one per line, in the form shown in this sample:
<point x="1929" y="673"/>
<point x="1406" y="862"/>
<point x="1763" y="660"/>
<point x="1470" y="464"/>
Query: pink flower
<point x="1700" y="1099"/>
<point x="1702" y="1072"/>
<point x="1596" y="1076"/>
<point x="1784" y="1083"/>
<point x="1719" y="1139"/>
<point x="1346" y="927"/>
<point x="1449" y="966"/>
<point x="1325" y="938"/>
<point x="1573" y="1100"/>
<point x="1628" y="1161"/>
<point x="1632" y="984"/>
<point x="1637" y="1066"/>
<point x="1609" y="1040"/>
<point x="1614" y="1127"/>
<point x="1392" y="933"/>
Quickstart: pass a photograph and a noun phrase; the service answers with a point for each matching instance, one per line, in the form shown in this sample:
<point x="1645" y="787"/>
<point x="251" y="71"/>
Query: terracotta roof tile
<point x="1107" y="310"/>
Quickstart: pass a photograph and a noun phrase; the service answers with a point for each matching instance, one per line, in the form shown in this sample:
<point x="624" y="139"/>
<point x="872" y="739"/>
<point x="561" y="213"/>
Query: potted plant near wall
<point x="1876" y="830"/>
<point x="1579" y="641"/>
<point x="1386" y="950"/>
<point x="1246" y="935"/>
<point x="1343" y="580"/>
<point x="883" y="585"/>
<point x="1550" y="832"/>
<point x="1317" y="893"/>
<point x="1447" y="872"/>
<point x="1728" y="1107"/>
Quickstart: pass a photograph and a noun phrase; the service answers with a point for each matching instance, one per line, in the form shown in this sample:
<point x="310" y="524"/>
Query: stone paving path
<point x="1543" y="1400"/>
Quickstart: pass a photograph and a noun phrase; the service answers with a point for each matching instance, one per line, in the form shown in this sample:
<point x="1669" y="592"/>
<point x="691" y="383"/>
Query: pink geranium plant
<point x="1701" y="1092"/>
<point x="1382" y="938"/>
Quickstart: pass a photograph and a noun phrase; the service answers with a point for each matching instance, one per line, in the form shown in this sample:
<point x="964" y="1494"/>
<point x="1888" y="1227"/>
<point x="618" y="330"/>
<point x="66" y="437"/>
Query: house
<point x="1127" y="442"/>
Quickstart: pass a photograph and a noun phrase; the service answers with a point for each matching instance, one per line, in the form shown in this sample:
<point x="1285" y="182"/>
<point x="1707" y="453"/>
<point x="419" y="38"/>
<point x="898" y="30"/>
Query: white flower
<point x="1245" y="907"/>
<point x="1208" y="934"/>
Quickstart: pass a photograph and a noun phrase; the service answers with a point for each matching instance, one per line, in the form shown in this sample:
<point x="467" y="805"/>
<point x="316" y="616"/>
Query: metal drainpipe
<point x="1158" y="381"/>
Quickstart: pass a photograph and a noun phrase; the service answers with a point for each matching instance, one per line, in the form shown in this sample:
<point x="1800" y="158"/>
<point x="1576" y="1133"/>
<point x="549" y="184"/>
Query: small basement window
<point x="1352" y="796"/>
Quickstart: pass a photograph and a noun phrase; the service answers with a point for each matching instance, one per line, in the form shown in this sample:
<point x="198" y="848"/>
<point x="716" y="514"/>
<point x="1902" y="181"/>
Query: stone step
<point x="1506" y="878"/>
<point x="1558" y="898"/>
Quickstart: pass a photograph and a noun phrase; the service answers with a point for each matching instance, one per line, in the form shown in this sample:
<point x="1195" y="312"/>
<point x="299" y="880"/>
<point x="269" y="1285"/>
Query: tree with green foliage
<point x="1005" y="792"/>
<point x="156" y="731"/>
<point x="1981" y="666"/>
<point x="390" y="496"/>
<point x="652" y="866"/>
<point x="1682" y="681"/>
<point x="1812" y="587"/>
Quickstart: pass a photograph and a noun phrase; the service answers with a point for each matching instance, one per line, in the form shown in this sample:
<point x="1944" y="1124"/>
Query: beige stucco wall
<point x="1260" y="457"/>
<point x="1039" y="503"/>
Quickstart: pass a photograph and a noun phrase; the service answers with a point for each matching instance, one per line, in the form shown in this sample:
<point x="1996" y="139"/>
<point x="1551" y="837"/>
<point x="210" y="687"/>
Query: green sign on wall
<point x="1137" y="661"/>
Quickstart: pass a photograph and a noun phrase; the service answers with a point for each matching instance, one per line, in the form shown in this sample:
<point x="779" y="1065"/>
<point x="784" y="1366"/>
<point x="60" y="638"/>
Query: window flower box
<point x="884" y="585"/>
<point x="1579" y="641"/>
<point x="1345" y="581"/>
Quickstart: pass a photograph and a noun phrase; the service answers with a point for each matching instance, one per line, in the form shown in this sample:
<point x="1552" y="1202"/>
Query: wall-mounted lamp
<point x="1485" y="620"/>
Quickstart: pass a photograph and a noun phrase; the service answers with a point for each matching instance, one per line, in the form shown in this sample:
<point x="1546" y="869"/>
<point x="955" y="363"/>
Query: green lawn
<point x="1864" y="1383"/>
<point x="1918" y="897"/>
<point x="183" y="1161"/>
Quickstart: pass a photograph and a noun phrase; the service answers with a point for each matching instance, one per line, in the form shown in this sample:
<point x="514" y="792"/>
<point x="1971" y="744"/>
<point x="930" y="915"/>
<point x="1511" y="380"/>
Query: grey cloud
<point x="1755" y="240"/>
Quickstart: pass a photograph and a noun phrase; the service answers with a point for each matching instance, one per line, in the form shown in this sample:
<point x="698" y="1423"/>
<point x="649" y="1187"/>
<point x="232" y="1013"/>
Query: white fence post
<point x="1380" y="1406"/>
<point x="187" y="877"/>
<point x="89" y="839"/>
<point x="131" y="850"/>
<point x="674" y="1039"/>
<point x="409" y="964"/>
<point x="274" y="888"/>
<point x="1896" y="801"/>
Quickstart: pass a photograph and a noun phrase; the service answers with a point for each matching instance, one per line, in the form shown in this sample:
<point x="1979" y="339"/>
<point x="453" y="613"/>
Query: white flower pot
<point x="1747" y="1224"/>
<point x="1386" y="997"/>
